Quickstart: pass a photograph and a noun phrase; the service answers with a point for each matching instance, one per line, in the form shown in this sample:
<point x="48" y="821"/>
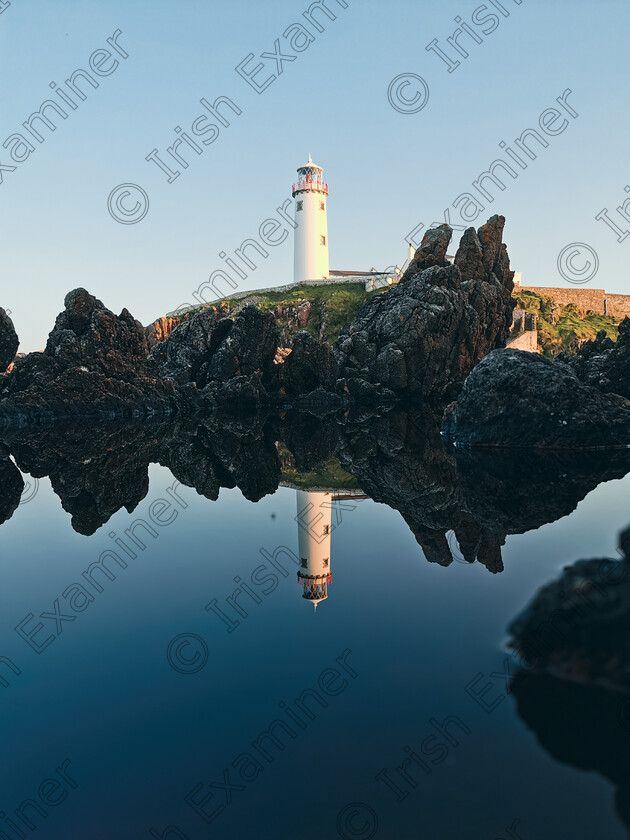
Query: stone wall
<point x="597" y="300"/>
<point x="618" y="304"/>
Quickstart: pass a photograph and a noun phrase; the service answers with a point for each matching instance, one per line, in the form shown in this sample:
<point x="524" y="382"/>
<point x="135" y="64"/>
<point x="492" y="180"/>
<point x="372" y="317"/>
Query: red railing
<point x="309" y="184"/>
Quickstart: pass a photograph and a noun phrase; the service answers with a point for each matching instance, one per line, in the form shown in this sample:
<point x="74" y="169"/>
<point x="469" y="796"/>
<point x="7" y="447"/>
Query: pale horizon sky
<point x="387" y="171"/>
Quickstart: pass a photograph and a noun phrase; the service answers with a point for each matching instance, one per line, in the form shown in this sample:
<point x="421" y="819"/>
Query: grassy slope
<point x="338" y="304"/>
<point x="572" y="328"/>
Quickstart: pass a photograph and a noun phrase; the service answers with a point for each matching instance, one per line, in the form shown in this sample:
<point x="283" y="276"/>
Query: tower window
<point x="322" y="206"/>
<point x="299" y="205"/>
<point x="325" y="562"/>
<point x="326" y="530"/>
<point x="322" y="239"/>
<point x="303" y="562"/>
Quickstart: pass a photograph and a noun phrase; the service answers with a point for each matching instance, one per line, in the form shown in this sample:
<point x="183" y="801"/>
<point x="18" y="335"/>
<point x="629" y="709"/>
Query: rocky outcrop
<point x="211" y="348"/>
<point x="9" y="341"/>
<point x="432" y="251"/>
<point x="161" y="328"/>
<point x="421" y="338"/>
<point x="309" y="365"/>
<point x="249" y="347"/>
<point x="603" y="363"/>
<point x="190" y="346"/>
<point x="94" y="364"/>
<point x="514" y="398"/>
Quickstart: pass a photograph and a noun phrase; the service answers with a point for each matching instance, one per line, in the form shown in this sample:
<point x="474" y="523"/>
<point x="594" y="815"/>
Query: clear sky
<point x="388" y="171"/>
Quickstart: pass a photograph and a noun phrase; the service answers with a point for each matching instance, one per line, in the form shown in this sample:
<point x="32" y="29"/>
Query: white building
<point x="310" y="257"/>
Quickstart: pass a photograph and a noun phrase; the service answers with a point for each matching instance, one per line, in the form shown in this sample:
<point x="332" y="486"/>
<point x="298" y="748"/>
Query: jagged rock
<point x="421" y="338"/>
<point x="249" y="347"/>
<point x="432" y="251"/>
<point x="310" y="364"/>
<point x="87" y="334"/>
<point x="603" y="363"/>
<point x="9" y="341"/>
<point x="184" y="356"/>
<point x="94" y="364"/>
<point x="303" y="313"/>
<point x="514" y="398"/>
<point x="239" y="395"/>
<point x="161" y="328"/>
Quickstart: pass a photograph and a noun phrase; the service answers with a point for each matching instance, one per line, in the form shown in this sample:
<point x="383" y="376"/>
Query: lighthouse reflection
<point x="314" y="518"/>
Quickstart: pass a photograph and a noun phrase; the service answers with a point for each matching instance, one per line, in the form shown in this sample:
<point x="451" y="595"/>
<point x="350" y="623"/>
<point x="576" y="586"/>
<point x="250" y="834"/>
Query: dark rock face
<point x="87" y="334"/>
<point x="190" y="345"/>
<point x="211" y="348"/>
<point x="422" y="338"/>
<point x="249" y="347"/>
<point x="514" y="398"/>
<point x="9" y="341"/>
<point x="94" y="364"/>
<point x="309" y="365"/>
<point x="432" y="251"/>
<point x="603" y="363"/>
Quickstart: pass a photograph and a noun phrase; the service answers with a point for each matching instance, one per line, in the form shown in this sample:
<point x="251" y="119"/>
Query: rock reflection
<point x="459" y="504"/>
<point x="573" y="689"/>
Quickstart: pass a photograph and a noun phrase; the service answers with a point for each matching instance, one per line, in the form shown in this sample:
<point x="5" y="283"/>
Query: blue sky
<point x="387" y="171"/>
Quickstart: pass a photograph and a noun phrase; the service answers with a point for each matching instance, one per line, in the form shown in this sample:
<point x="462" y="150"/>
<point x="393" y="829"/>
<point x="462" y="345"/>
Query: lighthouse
<point x="310" y="256"/>
<point x="314" y="517"/>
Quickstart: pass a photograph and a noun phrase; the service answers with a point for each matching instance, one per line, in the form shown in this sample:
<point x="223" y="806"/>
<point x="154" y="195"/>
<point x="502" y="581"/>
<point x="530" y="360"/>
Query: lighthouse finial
<point x="310" y="160"/>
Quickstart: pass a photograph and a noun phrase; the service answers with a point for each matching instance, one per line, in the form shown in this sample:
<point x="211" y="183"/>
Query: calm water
<point x="143" y="697"/>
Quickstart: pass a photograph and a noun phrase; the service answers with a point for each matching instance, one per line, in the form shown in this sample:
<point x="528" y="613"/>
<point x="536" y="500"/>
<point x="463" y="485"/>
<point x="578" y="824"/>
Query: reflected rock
<point x="578" y="626"/>
<point x="11" y="488"/>
<point x="94" y="472"/>
<point x="573" y="640"/>
<point x="516" y="491"/>
<point x="399" y="459"/>
<point x="583" y="726"/>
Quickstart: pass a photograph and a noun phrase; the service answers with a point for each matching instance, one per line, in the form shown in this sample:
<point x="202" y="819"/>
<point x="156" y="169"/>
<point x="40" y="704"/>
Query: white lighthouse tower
<point x="314" y="516"/>
<point x="310" y="257"/>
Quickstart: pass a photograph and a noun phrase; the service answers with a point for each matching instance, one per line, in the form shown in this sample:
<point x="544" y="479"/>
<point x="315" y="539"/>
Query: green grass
<point x="334" y="307"/>
<point x="329" y="474"/>
<point x="572" y="328"/>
